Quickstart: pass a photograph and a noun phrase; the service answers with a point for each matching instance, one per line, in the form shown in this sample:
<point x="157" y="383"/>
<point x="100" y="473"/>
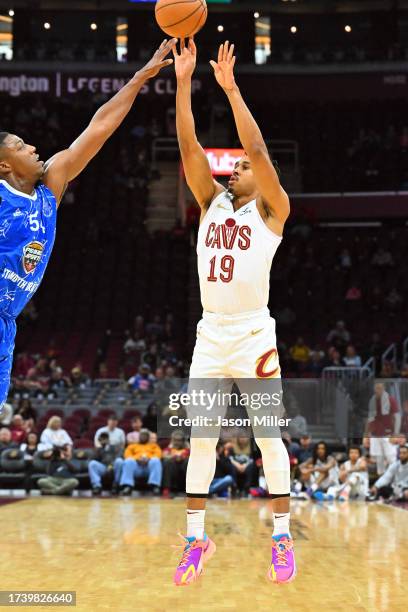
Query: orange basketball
<point x="181" y="18"/>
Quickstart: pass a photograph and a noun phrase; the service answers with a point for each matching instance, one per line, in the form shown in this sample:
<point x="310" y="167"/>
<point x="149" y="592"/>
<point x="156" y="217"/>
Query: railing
<point x="390" y="355"/>
<point x="348" y="372"/>
<point x="285" y="149"/>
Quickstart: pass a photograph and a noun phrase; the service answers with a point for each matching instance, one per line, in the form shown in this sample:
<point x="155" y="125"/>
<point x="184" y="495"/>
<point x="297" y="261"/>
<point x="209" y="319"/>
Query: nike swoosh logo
<point x="256" y="331"/>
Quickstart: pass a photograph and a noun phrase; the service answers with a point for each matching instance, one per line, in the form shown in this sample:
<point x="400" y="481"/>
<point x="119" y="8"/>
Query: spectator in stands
<point x="334" y="358"/>
<point x="339" y="336"/>
<point x="133" y="436"/>
<point x="353" y="476"/>
<point x="382" y="258"/>
<point x="78" y="378"/>
<point x="381" y="425"/>
<point x="175" y="459"/>
<point x="116" y="434"/>
<point x="30" y="447"/>
<point x="107" y="459"/>
<point x="351" y="359"/>
<point x="394" y="482"/>
<point x="6" y="414"/>
<point x="353" y="293"/>
<point x="319" y="472"/>
<point x="388" y="369"/>
<point x="224" y="473"/>
<point x="300" y="354"/>
<point x="26" y="410"/>
<point x="18" y="431"/>
<point x="297" y="425"/>
<point x="305" y="450"/>
<point x="59" y="381"/>
<point x="131" y="345"/>
<point x="53" y="435"/>
<point x="6" y="441"/>
<point x="150" y="358"/>
<point x="240" y="454"/>
<point x="60" y="478"/>
<point x="143" y="381"/>
<point x="317" y="360"/>
<point x="150" y="418"/>
<point x="24" y="363"/>
<point x="155" y="328"/>
<point x="142" y="460"/>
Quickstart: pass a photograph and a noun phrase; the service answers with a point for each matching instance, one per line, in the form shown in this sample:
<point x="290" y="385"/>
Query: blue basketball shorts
<point x="7" y="339"/>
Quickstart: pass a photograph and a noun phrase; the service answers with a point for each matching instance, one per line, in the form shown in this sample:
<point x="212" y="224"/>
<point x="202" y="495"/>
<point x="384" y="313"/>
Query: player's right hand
<point x="185" y="61"/>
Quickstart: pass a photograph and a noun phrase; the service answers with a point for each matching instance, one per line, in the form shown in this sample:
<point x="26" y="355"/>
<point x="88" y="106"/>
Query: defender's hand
<point x="224" y="68"/>
<point x="158" y="62"/>
<point x="185" y="61"/>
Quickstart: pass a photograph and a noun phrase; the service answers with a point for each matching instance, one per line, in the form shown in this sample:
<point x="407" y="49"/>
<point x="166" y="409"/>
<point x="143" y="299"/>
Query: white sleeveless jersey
<point x="235" y="251"/>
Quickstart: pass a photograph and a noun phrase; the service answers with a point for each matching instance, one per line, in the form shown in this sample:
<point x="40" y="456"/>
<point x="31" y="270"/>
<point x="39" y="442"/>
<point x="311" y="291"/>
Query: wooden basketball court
<point x="117" y="555"/>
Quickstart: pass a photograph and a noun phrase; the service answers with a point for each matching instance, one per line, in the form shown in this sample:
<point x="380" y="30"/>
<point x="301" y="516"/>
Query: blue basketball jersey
<point x="27" y="235"/>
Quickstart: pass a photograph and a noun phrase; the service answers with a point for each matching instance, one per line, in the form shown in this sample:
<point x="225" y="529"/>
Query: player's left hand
<point x="224" y="68"/>
<point x="158" y="60"/>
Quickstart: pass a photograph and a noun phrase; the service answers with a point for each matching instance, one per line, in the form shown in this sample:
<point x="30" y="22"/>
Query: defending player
<point x="240" y="231"/>
<point x="30" y="193"/>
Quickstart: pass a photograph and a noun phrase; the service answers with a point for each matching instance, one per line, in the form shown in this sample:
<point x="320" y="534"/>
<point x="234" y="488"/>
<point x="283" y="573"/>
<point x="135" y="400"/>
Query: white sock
<point x="195" y="524"/>
<point x="281" y="523"/>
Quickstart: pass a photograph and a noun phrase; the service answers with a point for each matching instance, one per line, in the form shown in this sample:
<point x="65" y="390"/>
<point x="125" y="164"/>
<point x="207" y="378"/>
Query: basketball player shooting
<point x="240" y="231"/>
<point x="30" y="193"/>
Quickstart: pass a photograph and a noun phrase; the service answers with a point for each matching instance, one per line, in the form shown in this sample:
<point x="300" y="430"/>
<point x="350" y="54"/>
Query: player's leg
<point x="256" y="365"/>
<point x="206" y="367"/>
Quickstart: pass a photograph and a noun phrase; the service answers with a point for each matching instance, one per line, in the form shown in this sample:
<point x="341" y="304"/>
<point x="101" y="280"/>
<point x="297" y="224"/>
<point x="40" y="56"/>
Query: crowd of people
<point x="122" y="461"/>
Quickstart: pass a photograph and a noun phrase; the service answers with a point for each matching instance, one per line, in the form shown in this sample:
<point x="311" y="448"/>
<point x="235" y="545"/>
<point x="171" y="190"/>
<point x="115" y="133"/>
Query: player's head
<point x="19" y="159"/>
<point x="403" y="453"/>
<point x="354" y="453"/>
<point x="242" y="182"/>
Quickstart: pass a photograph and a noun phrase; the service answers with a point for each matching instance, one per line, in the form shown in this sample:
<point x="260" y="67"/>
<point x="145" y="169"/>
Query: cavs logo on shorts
<point x="32" y="254"/>
<point x="267" y="366"/>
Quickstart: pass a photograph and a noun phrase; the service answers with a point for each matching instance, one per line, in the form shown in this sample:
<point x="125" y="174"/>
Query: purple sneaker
<point x="195" y="554"/>
<point x="283" y="567"/>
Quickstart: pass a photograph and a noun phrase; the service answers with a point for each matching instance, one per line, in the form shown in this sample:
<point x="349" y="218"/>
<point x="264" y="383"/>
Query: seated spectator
<point x="115" y="433"/>
<point x="27" y="411"/>
<point x="78" y="378"/>
<point x="345" y="259"/>
<point x="59" y="381"/>
<point x="394" y="482"/>
<point x="30" y="447"/>
<point x="6" y="440"/>
<point x="334" y="358"/>
<point x="393" y="299"/>
<point x="53" y="435"/>
<point x="320" y="472"/>
<point x="6" y="414"/>
<point x="353" y="293"/>
<point x="142" y="460"/>
<point x="150" y="418"/>
<point x="316" y="365"/>
<point x="224" y="473"/>
<point x="300" y="352"/>
<point x="353" y="476"/>
<point x="133" y="436"/>
<point x="175" y="459"/>
<point x="305" y="449"/>
<point x="240" y="453"/>
<point x="18" y="432"/>
<point x="107" y="459"/>
<point x="351" y="358"/>
<point x="339" y="336"/>
<point x="60" y="478"/>
<point x="143" y="381"/>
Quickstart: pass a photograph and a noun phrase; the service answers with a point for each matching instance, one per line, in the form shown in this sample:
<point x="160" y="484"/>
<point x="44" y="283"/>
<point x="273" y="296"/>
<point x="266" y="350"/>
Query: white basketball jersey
<point x="235" y="251"/>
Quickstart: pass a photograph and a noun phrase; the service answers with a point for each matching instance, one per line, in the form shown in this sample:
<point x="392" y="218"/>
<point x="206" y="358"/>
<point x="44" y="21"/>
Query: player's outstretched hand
<point x="224" y="67"/>
<point x="185" y="61"/>
<point x="158" y="60"/>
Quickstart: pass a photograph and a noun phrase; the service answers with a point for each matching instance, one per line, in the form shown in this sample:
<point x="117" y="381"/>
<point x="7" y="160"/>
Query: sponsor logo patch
<point x="32" y="254"/>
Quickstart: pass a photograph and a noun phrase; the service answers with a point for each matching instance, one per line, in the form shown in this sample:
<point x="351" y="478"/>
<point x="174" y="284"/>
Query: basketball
<point x="181" y="18"/>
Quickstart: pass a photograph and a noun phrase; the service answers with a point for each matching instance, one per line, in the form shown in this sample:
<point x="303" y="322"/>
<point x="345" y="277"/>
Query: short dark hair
<point x="113" y="417"/>
<point x="355" y="447"/>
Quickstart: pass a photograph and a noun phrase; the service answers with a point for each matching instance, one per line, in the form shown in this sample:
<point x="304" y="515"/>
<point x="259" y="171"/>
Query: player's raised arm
<point x="196" y="166"/>
<point x="267" y="180"/>
<point x="66" y="165"/>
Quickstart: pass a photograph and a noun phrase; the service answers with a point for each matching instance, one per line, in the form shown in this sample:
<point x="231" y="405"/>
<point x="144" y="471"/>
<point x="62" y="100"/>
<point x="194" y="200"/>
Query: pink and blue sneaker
<point x="283" y="566"/>
<point x="195" y="554"/>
